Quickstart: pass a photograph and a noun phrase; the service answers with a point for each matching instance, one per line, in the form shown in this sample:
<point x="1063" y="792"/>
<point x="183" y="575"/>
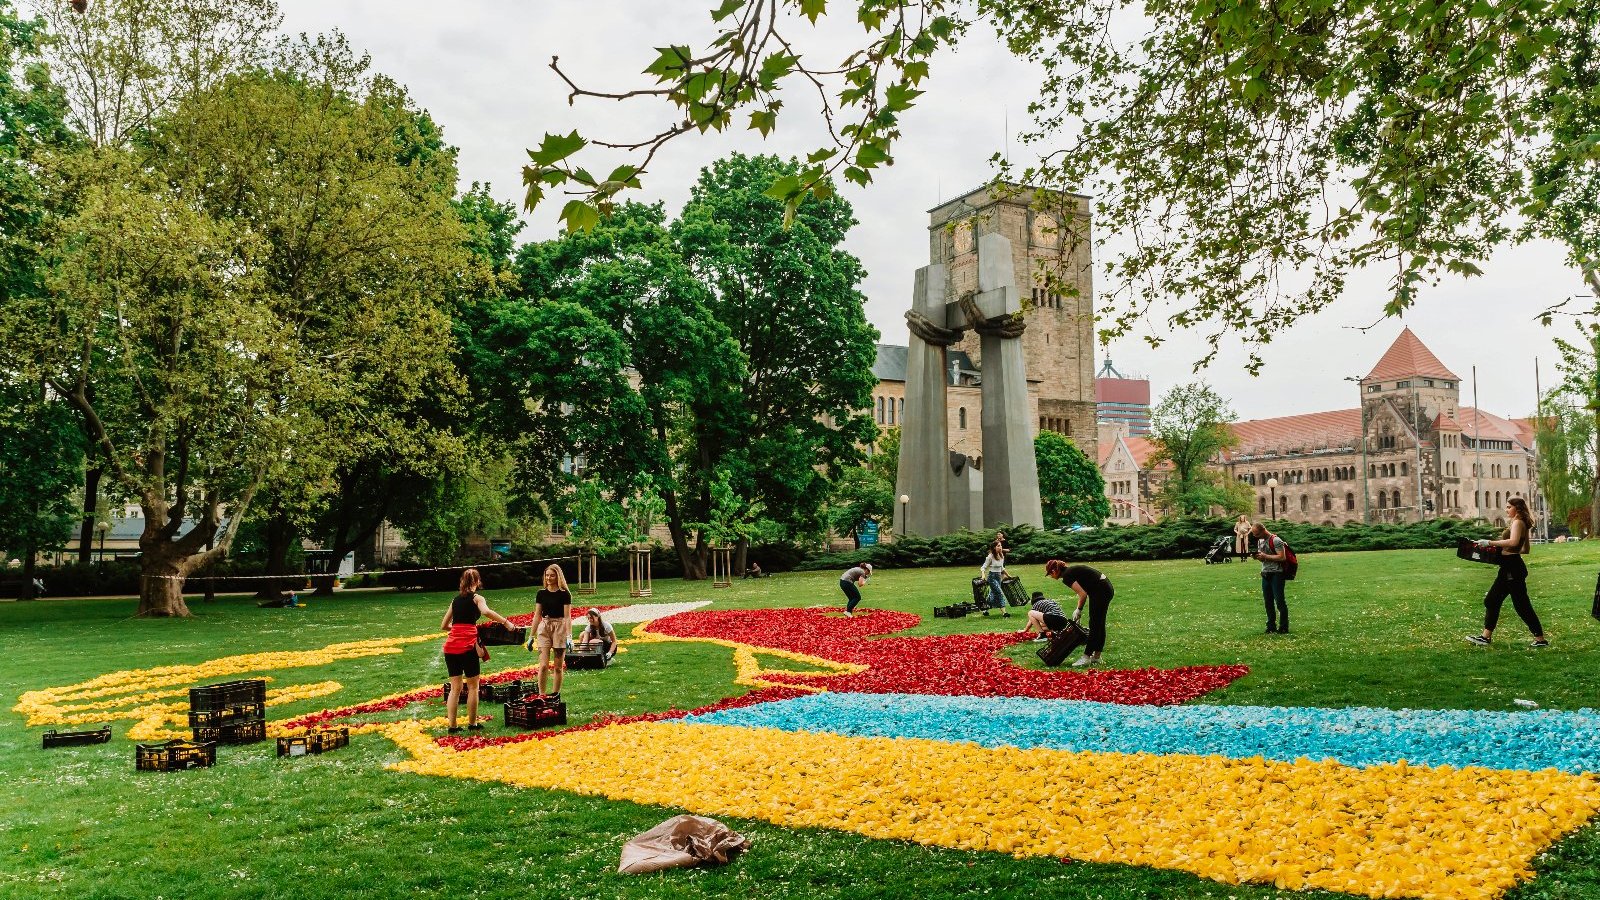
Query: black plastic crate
<point x="227" y="694"/>
<point x="232" y="733"/>
<point x="317" y="740"/>
<point x="583" y="657"/>
<point x="492" y="693"/>
<point x="212" y="718"/>
<point x="53" y="738"/>
<point x="493" y="634"/>
<point x="174" y="755"/>
<point x="535" y="712"/>
<point x="953" y="611"/>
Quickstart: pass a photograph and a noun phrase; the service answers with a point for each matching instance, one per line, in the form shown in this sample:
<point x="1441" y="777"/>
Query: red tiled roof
<point x="1311" y="431"/>
<point x="1445" y="423"/>
<point x="1407" y="357"/>
<point x="1105" y="448"/>
<point x="1141" y="448"/>
<point x="1490" y="427"/>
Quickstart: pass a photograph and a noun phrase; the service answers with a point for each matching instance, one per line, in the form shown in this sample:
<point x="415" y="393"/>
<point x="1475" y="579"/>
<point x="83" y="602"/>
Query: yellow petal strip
<point x="1382" y="831"/>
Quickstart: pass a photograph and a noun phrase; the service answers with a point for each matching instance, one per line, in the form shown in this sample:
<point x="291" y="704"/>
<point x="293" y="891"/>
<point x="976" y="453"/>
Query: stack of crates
<point x="233" y="712"/>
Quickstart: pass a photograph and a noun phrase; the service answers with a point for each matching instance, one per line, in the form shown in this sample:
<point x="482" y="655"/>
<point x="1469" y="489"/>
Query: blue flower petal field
<point x="1526" y="741"/>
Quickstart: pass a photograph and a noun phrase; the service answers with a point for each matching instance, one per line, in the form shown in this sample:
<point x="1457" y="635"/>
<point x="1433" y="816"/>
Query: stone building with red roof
<point x="1410" y="451"/>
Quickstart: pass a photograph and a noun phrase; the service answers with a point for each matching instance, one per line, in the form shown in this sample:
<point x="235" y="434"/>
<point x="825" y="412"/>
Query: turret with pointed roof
<point x="1407" y="357"/>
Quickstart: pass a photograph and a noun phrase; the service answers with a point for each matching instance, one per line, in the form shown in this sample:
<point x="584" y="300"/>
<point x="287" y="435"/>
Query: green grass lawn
<point x="1374" y="629"/>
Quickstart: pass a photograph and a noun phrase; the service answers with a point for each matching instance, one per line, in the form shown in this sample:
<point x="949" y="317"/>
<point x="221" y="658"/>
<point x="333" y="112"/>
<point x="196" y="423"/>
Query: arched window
<point x="1327" y="502"/>
<point x="1396" y="500"/>
<point x="961" y="417"/>
<point x="1305" y="503"/>
<point x="1383" y="500"/>
<point x="890" y="405"/>
<point x="1261" y="504"/>
<point x="879" y="414"/>
<point x="901" y="403"/>
<point x="1402" y="468"/>
<point x="1349" y="501"/>
<point x="1283" y="503"/>
<point x="1374" y="473"/>
<point x="1497" y="499"/>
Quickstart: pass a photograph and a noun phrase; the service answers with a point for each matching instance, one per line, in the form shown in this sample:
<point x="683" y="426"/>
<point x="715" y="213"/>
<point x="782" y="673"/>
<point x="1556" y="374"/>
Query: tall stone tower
<point x="1049" y="235"/>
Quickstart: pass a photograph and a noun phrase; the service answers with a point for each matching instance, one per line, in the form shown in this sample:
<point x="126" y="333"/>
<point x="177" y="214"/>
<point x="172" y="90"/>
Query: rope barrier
<point x="289" y="575"/>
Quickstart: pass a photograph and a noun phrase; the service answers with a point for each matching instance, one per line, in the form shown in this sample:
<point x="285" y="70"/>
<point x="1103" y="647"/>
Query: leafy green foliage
<point x="1182" y="538"/>
<point x="860" y="495"/>
<point x="1568" y="431"/>
<point x="1071" y="489"/>
<point x="41" y="462"/>
<point x="1189" y="428"/>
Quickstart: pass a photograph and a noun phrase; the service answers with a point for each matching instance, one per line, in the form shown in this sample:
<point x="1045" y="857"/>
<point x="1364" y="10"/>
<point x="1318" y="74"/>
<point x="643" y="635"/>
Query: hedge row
<point x="1178" y="539"/>
<point x="613" y="566"/>
<point x="120" y="577"/>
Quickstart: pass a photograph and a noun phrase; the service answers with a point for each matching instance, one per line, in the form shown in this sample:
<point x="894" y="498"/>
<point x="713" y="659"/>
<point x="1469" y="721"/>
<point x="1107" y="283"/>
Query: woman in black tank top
<point x="461" y="647"/>
<point x="1512" y="579"/>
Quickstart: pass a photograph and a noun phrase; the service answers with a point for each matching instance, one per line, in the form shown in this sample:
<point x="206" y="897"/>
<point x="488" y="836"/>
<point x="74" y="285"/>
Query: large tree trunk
<point x="741" y="555"/>
<point x="28" y="591"/>
<point x="694" y="568"/>
<point x="91" y="506"/>
<point x="161" y="582"/>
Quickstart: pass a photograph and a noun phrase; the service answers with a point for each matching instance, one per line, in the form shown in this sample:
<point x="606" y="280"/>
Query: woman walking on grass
<point x="994" y="570"/>
<point x="461" y="647"/>
<point x="1512" y="580"/>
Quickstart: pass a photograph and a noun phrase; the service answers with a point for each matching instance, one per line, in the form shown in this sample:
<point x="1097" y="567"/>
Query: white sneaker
<point x="1083" y="661"/>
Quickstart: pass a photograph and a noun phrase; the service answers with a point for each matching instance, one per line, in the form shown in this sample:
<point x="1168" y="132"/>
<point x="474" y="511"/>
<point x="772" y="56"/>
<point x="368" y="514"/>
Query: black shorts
<point x="1055" y="622"/>
<point x="465" y="664"/>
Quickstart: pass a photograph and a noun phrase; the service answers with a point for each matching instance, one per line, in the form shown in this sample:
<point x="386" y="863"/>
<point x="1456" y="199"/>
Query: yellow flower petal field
<point x="1384" y="831"/>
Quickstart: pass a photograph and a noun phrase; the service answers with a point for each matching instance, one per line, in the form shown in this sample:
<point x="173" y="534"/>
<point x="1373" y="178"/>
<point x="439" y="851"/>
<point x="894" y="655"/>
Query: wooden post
<point x="721" y="567"/>
<point x="639" y="581"/>
<point x="588" y="572"/>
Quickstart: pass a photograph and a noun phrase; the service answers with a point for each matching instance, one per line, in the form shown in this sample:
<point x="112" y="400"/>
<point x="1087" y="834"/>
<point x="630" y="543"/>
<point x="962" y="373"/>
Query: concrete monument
<point x="943" y="487"/>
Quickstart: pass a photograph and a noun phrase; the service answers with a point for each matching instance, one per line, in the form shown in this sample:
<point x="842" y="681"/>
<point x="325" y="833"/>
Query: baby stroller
<point x="1221" y="551"/>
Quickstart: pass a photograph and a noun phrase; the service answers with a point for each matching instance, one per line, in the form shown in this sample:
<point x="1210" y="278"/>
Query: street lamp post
<point x="102" y="526"/>
<point x="1272" y="485"/>
<point x="904" y="499"/>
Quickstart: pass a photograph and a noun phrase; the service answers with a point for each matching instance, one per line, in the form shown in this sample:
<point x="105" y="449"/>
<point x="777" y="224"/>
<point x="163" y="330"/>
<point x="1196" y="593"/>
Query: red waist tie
<point x="462" y="639"/>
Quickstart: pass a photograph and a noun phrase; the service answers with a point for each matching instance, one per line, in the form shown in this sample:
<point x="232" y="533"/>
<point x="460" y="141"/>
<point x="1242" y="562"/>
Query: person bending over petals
<point x="1092" y="588"/>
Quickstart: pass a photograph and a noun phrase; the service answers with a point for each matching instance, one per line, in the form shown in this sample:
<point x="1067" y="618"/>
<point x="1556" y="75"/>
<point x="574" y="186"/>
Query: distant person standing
<point x="994" y="570"/>
<point x="1241" y="537"/>
<point x="1512" y="580"/>
<point x="850" y="582"/>
<point x="1272" y="551"/>
<point x="1094" y="589"/>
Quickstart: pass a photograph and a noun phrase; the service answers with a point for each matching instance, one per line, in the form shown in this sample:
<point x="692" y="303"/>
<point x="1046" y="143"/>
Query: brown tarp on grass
<point x="681" y="841"/>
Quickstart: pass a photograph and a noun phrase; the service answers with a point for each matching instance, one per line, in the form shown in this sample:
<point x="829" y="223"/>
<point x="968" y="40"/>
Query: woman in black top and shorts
<point x="1512" y="581"/>
<point x="552" y="626"/>
<point x="1093" y="588"/>
<point x="461" y="647"/>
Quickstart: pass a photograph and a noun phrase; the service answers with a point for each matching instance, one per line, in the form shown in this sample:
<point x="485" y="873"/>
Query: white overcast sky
<point x="482" y="69"/>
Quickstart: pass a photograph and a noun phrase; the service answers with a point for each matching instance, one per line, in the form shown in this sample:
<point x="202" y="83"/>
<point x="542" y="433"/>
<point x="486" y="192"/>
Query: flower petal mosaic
<point x="943" y="741"/>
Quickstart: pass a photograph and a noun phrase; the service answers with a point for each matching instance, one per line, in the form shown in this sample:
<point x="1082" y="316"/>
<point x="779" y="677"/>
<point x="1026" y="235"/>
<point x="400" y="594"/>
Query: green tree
<point x="1071" y="489"/>
<point x="1189" y="427"/>
<point x="1566" y="440"/>
<point x="859" y="495"/>
<point x="1244" y="147"/>
<point x="41" y="462"/>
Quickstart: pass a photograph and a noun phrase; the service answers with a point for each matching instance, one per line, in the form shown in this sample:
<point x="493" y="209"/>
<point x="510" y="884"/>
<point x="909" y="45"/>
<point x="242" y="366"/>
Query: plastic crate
<point x="227" y="694"/>
<point x="317" y="740"/>
<point x="232" y="733"/>
<point x="582" y="657"/>
<point x="492" y="693"/>
<point x="535" y="712"/>
<point x="53" y="738"/>
<point x="953" y="611"/>
<point x="493" y="634"/>
<point x="174" y="755"/>
<point x="212" y="718"/>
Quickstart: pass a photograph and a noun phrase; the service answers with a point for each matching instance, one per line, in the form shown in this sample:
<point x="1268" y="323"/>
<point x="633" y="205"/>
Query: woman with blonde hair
<point x="552" y="626"/>
<point x="461" y="647"/>
<point x="1512" y="580"/>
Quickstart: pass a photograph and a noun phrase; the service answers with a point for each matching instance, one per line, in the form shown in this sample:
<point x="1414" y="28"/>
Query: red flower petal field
<point x="951" y="665"/>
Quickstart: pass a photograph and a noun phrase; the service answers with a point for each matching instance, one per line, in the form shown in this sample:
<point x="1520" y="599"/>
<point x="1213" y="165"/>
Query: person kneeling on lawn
<point x="1093" y="588"/>
<point x="1045" y="616"/>
<point x="598" y="631"/>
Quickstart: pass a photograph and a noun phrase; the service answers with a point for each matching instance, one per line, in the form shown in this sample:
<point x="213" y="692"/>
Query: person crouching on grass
<point x="850" y="582"/>
<point x="461" y="647"/>
<point x="1092" y="588"/>
<point x="1046" y="616"/>
<point x="552" y="626"/>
